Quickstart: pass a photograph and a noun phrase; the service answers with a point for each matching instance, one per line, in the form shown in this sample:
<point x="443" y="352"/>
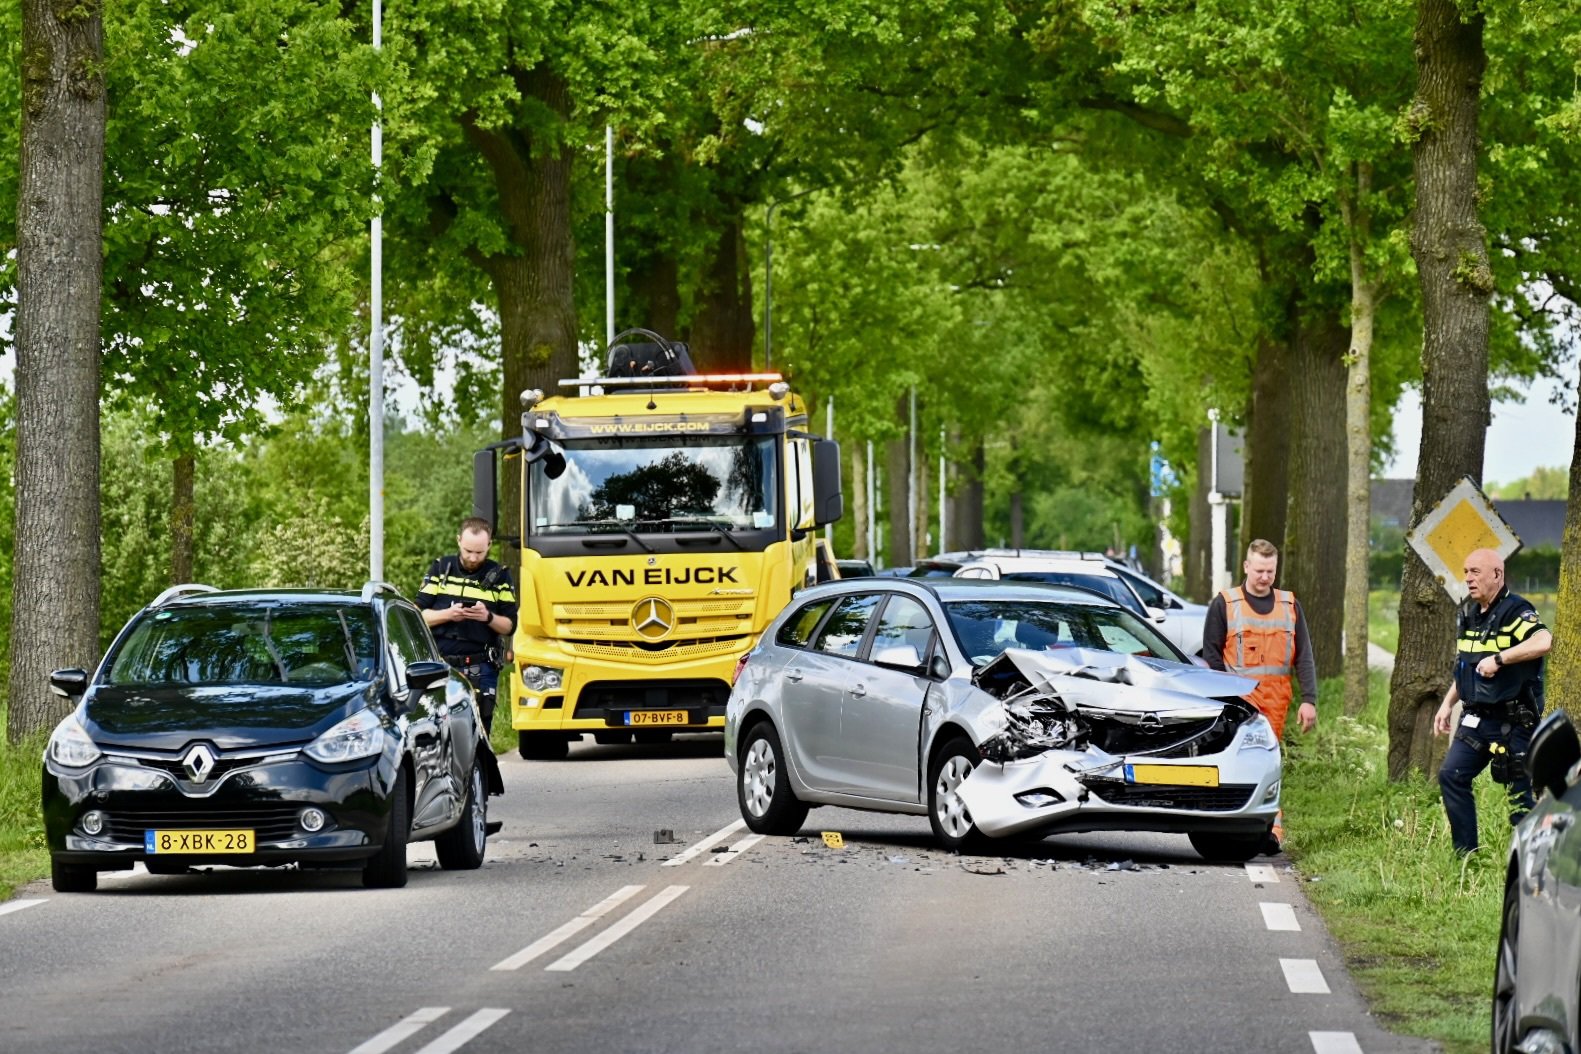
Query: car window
<point x="1151" y="595"/>
<point x="315" y="646"/>
<point x="796" y="631"/>
<point x="417" y="631"/>
<point x="1108" y="585"/>
<point x="405" y="646"/>
<point x="842" y="633"/>
<point x="985" y="628"/>
<point x="905" y="621"/>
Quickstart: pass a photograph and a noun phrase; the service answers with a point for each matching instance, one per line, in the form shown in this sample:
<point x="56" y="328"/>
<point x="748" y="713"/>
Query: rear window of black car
<point x="797" y="630"/>
<point x="313" y="646"/>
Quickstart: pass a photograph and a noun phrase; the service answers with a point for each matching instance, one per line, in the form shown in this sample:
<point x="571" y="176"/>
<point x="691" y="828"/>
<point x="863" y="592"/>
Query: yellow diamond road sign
<point x="1463" y="521"/>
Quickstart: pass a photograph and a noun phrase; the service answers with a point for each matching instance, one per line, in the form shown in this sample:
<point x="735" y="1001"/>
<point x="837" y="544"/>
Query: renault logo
<point x="652" y="618"/>
<point x="199" y="762"/>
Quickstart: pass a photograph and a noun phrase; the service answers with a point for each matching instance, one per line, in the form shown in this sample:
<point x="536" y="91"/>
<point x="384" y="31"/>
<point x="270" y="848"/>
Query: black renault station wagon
<point x="263" y="728"/>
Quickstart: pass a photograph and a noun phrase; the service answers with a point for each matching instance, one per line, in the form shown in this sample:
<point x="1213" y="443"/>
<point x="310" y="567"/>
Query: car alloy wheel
<point x="947" y="804"/>
<point x="947" y="814"/>
<point x="759" y="771"/>
<point x="461" y="848"/>
<point x="768" y="804"/>
<point x="1506" y="1009"/>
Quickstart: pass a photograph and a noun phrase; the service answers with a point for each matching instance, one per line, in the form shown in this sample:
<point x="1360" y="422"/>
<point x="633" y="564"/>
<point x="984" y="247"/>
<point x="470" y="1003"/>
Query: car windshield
<point x="985" y="628"/>
<point x="657" y="484"/>
<point x="1108" y="585"/>
<point x="311" y="645"/>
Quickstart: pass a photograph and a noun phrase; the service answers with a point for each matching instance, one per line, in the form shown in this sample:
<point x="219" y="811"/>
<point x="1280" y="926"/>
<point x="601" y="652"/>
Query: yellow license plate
<point x="198" y="842"/>
<point x="1176" y="775"/>
<point x="656" y="717"/>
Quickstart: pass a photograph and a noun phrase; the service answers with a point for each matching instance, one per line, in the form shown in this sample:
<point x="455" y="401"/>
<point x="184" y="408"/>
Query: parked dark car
<point x="855" y="568"/>
<point x="265" y="728"/>
<point x="1537" y="977"/>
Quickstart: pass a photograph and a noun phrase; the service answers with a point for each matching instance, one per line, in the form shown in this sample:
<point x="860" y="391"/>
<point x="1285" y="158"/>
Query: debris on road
<point x="979" y="871"/>
<point x="833" y="839"/>
<point x="664" y="836"/>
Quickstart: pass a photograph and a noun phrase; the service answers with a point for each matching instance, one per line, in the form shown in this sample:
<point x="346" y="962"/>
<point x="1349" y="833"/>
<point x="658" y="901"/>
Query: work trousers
<point x="485" y="679"/>
<point x="1469" y="753"/>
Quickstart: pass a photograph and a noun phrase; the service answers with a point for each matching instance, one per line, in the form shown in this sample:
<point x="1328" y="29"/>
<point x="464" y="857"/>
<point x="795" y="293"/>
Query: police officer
<point x="1498" y="680"/>
<point x="469" y="602"/>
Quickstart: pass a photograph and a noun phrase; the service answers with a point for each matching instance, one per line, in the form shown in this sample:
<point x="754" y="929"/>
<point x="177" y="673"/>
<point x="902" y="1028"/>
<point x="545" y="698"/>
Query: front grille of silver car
<point x="270" y="821"/>
<point x="1226" y="797"/>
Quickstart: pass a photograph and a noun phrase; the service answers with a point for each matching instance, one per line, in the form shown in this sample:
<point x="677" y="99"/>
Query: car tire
<point x="542" y="746"/>
<point x="1230" y="848"/>
<point x="1506" y="1008"/>
<point x="72" y="878"/>
<point x="768" y="804"/>
<point x="386" y="869"/>
<point x="461" y="848"/>
<point x="952" y="824"/>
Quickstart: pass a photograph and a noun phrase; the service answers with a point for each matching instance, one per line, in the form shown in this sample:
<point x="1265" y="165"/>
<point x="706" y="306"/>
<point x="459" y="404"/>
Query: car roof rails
<point x="176" y="591"/>
<point x="372" y="589"/>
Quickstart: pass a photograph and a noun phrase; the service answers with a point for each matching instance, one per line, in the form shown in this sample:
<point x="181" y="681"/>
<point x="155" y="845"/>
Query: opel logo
<point x="652" y="618"/>
<point x="199" y="762"/>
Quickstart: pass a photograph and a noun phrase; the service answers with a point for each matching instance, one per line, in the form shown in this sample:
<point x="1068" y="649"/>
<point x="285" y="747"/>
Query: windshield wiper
<point x="712" y="525"/>
<point x="618" y="525"/>
<point x="351" y="650"/>
<point x="268" y="643"/>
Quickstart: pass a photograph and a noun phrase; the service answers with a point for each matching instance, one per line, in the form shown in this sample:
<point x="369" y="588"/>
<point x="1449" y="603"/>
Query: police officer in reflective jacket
<point x="1499" y="682"/>
<point x="469" y="603"/>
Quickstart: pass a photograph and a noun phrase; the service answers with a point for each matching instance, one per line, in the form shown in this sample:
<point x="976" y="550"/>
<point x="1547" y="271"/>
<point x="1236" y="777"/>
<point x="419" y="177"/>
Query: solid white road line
<point x="18" y="905"/>
<point x="1262" y="873"/>
<point x="705" y="845"/>
<point x="1303" y="976"/>
<point x="468" y="1029"/>
<point x="1280" y="916"/>
<point x="402" y="1030"/>
<point x="572" y="960"/>
<point x="721" y="859"/>
<point x="1334" y="1043"/>
<point x="575" y="926"/>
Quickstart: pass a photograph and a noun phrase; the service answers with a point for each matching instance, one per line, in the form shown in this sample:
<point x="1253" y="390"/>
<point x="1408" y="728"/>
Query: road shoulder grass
<point x="22" y="855"/>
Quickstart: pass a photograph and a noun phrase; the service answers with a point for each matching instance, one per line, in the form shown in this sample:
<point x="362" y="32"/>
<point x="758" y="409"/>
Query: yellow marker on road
<point x="833" y="840"/>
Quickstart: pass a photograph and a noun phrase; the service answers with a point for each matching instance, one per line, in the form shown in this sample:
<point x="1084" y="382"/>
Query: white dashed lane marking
<point x="572" y="960"/>
<point x="17" y="905"/>
<point x="457" y="1037"/>
<point x="1280" y="917"/>
<point x="570" y="929"/>
<point x="721" y="859"/>
<point x="1334" y="1043"/>
<point x="1262" y="873"/>
<point x="402" y="1030"/>
<point x="706" y="844"/>
<point x="1303" y="976"/>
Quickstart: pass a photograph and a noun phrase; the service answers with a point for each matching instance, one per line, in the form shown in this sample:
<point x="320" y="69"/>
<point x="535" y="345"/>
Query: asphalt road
<point x="583" y="932"/>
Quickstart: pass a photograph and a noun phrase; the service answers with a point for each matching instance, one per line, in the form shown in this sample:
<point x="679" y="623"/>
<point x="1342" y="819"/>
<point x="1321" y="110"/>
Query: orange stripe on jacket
<point x="1262" y="647"/>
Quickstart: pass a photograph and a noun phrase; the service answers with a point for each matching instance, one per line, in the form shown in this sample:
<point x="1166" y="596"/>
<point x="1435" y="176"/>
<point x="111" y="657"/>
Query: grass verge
<point x="1418" y="925"/>
<point x="22" y="855"/>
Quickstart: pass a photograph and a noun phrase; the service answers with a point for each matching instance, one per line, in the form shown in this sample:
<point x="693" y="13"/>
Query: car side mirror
<point x="1554" y="751"/>
<point x="900" y="657"/>
<point x="69" y="683"/>
<point x="1157" y="614"/>
<point x="425" y="674"/>
<point x="939" y="667"/>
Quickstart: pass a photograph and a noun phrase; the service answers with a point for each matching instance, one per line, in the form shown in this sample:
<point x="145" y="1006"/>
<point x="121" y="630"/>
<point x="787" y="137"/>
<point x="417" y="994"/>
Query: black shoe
<point x="1271" y="846"/>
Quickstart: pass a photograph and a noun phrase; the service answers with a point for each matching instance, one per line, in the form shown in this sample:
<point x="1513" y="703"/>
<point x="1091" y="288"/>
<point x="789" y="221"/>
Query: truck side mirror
<point x="484" y="501"/>
<point x="828" y="499"/>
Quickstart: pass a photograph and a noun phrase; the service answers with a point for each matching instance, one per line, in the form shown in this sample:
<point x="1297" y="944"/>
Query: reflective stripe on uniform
<point x="466" y="588"/>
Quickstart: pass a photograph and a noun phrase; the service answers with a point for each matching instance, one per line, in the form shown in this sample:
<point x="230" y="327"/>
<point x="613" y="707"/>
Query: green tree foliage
<point x="1546" y="483"/>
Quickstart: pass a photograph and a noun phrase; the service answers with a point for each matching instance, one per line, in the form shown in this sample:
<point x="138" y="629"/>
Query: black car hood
<point x="232" y="717"/>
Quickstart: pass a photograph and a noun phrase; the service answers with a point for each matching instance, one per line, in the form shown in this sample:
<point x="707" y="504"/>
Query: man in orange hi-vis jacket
<point x="1258" y="631"/>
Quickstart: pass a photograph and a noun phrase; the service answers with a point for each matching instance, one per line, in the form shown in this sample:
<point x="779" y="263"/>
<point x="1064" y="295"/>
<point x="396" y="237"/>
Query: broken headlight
<point x="1258" y="734"/>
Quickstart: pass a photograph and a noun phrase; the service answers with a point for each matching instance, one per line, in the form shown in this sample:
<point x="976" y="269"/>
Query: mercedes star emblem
<point x="652" y="618"/>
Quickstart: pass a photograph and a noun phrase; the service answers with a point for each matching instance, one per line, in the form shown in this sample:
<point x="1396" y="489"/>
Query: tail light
<point x="741" y="664"/>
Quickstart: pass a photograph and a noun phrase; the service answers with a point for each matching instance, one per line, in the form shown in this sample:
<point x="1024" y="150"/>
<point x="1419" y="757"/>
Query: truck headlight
<point x="70" y="745"/>
<point x="359" y="736"/>
<point x="541" y="678"/>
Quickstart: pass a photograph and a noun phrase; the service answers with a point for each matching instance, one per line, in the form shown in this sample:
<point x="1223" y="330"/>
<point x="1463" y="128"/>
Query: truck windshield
<point x="657" y="484"/>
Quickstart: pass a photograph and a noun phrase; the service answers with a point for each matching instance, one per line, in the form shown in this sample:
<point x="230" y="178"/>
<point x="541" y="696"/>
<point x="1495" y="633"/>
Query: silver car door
<point x="812" y="705"/>
<point x="881" y="720"/>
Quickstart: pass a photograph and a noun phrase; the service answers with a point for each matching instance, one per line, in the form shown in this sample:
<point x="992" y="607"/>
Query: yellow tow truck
<point x="664" y="518"/>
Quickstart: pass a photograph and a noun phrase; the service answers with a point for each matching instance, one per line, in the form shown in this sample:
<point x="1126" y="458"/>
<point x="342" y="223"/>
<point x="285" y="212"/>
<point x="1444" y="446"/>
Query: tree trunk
<point x="656" y="298"/>
<point x="1199" y="544"/>
<point x="1358" y="499"/>
<point x="897" y="478"/>
<point x="966" y="507"/>
<point x="1563" y="675"/>
<point x="723" y="330"/>
<point x="182" y="506"/>
<point x="858" y="492"/>
<point x="1449" y="245"/>
<point x="60" y="215"/>
<point x="1267" y="448"/>
<point x="1315" y="525"/>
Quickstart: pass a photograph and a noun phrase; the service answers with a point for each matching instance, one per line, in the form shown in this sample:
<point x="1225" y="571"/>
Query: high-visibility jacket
<point x="1262" y="647"/>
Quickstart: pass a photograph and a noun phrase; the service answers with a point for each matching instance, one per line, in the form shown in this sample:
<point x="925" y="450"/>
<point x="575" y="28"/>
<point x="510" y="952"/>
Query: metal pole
<point x="828" y="428"/>
<point x="911" y="477"/>
<point x="376" y="341"/>
<point x="1220" y="512"/>
<point x="942" y="537"/>
<point x="872" y="513"/>
<point x="609" y="235"/>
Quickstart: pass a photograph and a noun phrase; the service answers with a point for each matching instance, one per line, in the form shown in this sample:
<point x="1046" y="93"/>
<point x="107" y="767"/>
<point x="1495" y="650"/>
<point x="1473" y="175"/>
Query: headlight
<point x="359" y="736"/>
<point x="1258" y="734"/>
<point x="541" y="678"/>
<point x="70" y="746"/>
